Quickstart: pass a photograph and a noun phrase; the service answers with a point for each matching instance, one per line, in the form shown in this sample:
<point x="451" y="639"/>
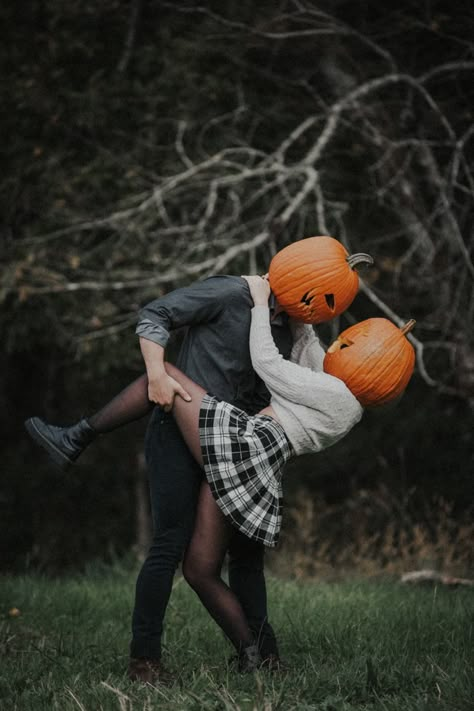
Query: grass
<point x="349" y="645"/>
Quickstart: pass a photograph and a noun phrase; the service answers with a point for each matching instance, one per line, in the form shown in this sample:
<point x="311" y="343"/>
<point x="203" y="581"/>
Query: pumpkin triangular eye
<point x="330" y="301"/>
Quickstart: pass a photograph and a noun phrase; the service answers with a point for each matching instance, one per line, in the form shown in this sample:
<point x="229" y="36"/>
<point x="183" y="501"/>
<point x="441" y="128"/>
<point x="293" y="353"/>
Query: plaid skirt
<point x="244" y="457"/>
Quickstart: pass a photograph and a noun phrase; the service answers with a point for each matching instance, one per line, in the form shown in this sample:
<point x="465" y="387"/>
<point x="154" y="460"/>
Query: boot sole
<point x="59" y="458"/>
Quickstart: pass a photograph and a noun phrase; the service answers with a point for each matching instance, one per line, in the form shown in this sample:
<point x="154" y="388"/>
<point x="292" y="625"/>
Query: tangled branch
<point x="234" y="205"/>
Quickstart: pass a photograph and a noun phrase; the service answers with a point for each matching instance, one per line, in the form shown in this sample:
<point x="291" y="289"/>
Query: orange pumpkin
<point x="374" y="359"/>
<point x="314" y="279"/>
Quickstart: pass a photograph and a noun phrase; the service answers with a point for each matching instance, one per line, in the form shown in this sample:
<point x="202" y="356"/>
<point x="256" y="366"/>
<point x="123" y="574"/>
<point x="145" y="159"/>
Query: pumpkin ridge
<point x="388" y="366"/>
<point x="379" y="364"/>
<point x="391" y="372"/>
<point x="314" y="266"/>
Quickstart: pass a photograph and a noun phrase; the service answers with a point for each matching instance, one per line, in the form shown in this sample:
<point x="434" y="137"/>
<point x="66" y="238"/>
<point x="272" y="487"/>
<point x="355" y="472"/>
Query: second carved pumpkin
<point x="374" y="359"/>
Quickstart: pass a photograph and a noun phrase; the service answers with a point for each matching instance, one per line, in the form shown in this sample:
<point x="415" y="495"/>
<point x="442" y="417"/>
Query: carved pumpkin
<point x="374" y="359"/>
<point x="314" y="279"/>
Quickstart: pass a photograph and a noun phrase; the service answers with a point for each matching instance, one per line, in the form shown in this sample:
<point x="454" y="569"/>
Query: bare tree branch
<point x="419" y="348"/>
<point x="229" y="201"/>
<point x="136" y="9"/>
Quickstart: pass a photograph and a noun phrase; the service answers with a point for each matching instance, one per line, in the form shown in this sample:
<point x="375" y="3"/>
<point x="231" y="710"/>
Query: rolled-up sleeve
<point x="152" y="332"/>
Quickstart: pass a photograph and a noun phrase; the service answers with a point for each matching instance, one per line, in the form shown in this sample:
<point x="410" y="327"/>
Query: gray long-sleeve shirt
<point x="215" y="352"/>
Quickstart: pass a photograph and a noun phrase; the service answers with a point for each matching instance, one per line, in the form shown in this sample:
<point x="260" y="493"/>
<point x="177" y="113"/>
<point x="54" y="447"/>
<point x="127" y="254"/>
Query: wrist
<point x="155" y="374"/>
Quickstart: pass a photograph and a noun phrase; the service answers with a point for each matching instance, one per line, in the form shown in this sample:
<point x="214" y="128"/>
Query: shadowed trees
<point x="152" y="143"/>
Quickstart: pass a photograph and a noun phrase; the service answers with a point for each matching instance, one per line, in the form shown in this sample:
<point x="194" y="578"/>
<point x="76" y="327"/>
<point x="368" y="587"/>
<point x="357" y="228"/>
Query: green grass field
<point x="351" y="645"/>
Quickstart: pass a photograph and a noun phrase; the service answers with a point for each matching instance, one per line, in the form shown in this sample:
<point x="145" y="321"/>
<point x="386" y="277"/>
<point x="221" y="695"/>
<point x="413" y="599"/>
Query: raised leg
<point x="65" y="444"/>
<point x="185" y="413"/>
<point x="130" y="404"/>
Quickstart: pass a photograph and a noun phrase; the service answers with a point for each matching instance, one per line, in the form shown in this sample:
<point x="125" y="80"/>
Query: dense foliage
<point x="148" y="143"/>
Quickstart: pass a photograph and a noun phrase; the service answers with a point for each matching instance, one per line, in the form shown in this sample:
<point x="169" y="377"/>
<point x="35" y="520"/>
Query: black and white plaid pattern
<point x="244" y="458"/>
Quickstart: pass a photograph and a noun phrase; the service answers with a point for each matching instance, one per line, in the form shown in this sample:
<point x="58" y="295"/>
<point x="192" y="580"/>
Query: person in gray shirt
<point x="215" y="354"/>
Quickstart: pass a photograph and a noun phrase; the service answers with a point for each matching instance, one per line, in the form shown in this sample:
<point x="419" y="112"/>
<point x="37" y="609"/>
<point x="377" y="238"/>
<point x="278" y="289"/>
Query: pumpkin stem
<point x="408" y="326"/>
<point x="360" y="258"/>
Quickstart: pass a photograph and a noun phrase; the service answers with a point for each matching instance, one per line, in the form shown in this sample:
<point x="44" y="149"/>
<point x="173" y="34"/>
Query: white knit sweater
<point x="315" y="408"/>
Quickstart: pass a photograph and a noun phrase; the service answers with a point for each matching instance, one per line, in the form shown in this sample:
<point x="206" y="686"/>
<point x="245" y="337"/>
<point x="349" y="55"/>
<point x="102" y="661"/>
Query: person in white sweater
<point x="243" y="456"/>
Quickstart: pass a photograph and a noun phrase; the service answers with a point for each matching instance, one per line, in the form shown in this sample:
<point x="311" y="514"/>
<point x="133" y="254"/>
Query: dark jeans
<point x="175" y="479"/>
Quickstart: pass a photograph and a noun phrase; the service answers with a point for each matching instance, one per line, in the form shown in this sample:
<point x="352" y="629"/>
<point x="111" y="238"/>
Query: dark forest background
<point x="149" y="143"/>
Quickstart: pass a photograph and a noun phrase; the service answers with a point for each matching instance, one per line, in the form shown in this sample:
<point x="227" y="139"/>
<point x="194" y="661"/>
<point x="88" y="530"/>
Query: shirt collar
<point x="279" y="319"/>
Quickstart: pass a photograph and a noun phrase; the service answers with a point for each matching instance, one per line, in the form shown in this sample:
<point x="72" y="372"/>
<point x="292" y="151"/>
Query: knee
<point x="168" y="547"/>
<point x="197" y="575"/>
<point x="192" y="573"/>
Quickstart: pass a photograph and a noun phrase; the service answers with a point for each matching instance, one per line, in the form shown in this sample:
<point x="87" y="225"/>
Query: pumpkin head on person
<point x="374" y="359"/>
<point x="315" y="279"/>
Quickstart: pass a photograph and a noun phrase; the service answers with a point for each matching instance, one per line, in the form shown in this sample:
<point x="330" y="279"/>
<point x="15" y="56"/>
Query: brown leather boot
<point x="148" y="671"/>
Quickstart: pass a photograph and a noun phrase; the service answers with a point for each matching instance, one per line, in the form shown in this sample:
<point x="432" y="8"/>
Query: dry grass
<point x="373" y="534"/>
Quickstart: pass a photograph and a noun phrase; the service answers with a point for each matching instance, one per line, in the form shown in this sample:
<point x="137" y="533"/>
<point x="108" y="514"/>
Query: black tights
<point x="129" y="405"/>
<point x="212" y="533"/>
<point x="202" y="569"/>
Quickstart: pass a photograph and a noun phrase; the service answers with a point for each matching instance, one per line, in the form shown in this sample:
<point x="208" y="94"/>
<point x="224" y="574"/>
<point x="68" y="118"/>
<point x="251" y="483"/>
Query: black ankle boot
<point x="249" y="659"/>
<point x="63" y="444"/>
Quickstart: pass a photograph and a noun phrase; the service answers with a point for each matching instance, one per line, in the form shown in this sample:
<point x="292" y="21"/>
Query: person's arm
<point x="197" y="303"/>
<point x="162" y="388"/>
<point x="281" y="376"/>
<point x="307" y="349"/>
<point x="317" y="390"/>
<point x="290" y="380"/>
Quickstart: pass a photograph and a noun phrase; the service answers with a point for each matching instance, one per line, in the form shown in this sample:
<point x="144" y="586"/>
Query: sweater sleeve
<point x="307" y="349"/>
<point x="296" y="383"/>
